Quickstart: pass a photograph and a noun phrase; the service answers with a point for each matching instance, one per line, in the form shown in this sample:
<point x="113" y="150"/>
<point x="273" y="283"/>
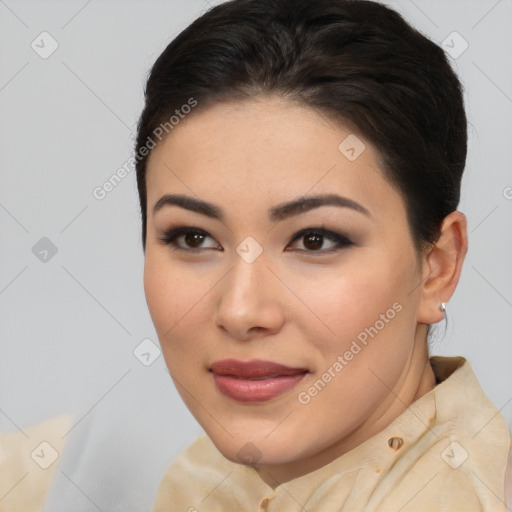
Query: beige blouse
<point x="447" y="452"/>
<point x="28" y="463"/>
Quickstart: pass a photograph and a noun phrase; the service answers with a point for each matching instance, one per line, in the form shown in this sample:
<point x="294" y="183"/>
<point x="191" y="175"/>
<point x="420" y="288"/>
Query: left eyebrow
<point x="277" y="213"/>
<point x="305" y="204"/>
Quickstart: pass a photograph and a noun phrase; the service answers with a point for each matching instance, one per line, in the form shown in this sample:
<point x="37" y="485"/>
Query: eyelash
<point x="170" y="236"/>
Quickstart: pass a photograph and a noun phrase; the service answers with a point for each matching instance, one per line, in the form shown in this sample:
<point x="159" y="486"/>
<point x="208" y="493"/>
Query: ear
<point x="442" y="266"/>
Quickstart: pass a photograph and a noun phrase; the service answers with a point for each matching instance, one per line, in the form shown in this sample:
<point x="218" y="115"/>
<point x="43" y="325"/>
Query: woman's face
<point x="264" y="270"/>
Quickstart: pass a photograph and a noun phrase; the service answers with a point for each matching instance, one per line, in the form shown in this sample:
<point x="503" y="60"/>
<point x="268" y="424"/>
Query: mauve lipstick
<point x="255" y="380"/>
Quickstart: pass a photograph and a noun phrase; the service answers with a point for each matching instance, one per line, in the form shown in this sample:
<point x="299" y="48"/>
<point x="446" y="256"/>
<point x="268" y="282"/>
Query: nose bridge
<point x="246" y="283"/>
<point x="247" y="299"/>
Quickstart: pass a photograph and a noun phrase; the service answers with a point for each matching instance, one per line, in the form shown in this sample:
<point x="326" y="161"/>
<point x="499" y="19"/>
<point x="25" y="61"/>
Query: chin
<point x="252" y="450"/>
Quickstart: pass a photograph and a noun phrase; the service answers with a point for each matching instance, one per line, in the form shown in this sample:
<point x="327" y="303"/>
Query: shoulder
<point x="448" y="488"/>
<point x="464" y="457"/>
<point x="465" y="415"/>
<point x="28" y="461"/>
<point x="202" y="477"/>
<point x="475" y="441"/>
<point x="197" y="467"/>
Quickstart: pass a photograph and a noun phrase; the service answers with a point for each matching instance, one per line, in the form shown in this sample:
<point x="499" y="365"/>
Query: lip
<point x="255" y="380"/>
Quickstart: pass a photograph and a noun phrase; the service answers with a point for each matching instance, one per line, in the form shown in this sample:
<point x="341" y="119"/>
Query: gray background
<point x="69" y="325"/>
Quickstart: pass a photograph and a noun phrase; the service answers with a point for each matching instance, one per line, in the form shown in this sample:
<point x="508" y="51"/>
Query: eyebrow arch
<point x="277" y="213"/>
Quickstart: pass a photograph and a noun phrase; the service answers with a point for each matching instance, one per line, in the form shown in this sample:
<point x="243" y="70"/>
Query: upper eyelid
<point x="313" y="229"/>
<point x="325" y="232"/>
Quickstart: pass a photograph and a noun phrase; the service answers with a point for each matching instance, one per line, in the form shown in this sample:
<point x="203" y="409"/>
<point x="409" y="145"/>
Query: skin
<point x="295" y="305"/>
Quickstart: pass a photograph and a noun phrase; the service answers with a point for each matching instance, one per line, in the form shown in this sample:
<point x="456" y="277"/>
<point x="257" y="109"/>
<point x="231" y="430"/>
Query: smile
<point x="256" y="380"/>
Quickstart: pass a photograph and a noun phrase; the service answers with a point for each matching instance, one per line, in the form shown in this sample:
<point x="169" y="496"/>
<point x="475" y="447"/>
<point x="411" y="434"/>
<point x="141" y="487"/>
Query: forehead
<point x="268" y="150"/>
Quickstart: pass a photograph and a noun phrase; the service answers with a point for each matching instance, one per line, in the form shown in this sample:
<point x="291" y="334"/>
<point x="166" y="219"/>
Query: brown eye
<point x="194" y="239"/>
<point x="313" y="241"/>
<point x="189" y="239"/>
<point x="320" y="240"/>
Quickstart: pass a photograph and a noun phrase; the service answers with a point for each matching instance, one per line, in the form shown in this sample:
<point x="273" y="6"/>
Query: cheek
<point x="372" y="342"/>
<point x="348" y="301"/>
<point x="368" y="318"/>
<point x="168" y="295"/>
<point x="177" y="304"/>
<point x="157" y="288"/>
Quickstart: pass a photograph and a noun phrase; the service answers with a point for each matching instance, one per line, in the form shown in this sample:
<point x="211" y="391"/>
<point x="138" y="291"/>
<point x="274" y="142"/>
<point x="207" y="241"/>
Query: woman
<point x="299" y="167"/>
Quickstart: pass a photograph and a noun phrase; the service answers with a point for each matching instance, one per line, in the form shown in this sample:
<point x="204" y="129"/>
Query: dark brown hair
<point x="359" y="62"/>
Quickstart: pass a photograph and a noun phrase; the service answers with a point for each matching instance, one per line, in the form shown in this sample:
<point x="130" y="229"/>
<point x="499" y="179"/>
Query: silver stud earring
<point x="442" y="306"/>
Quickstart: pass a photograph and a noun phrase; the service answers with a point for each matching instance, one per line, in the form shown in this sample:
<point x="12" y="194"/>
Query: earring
<point x="442" y="306"/>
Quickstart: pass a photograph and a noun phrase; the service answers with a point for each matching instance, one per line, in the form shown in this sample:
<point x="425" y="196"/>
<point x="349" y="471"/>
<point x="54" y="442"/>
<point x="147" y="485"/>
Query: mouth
<point x="256" y="380"/>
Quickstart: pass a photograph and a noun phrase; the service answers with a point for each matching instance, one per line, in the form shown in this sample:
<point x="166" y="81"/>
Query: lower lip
<point x="244" y="390"/>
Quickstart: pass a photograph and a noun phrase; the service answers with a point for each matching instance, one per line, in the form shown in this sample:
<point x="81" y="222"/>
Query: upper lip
<point x="253" y="369"/>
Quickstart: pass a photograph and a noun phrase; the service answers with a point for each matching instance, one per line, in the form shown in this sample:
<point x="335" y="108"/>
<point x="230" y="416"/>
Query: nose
<point x="248" y="304"/>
